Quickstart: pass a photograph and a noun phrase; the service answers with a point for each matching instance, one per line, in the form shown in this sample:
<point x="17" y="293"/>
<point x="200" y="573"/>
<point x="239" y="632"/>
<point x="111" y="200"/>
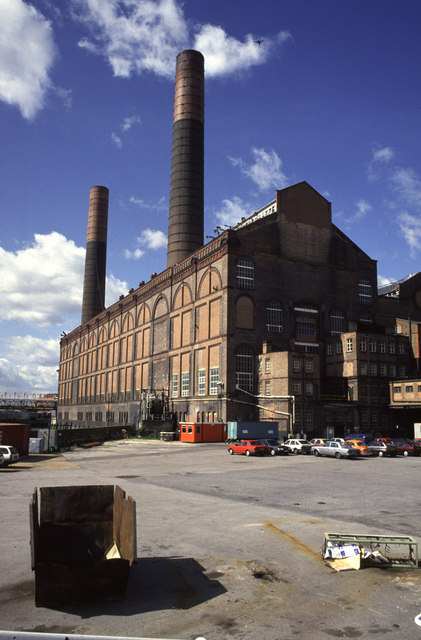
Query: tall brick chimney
<point x="96" y="254"/>
<point x="185" y="227"/>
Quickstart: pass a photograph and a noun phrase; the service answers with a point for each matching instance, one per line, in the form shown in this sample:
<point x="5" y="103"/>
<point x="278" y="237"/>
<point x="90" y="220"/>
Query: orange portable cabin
<point x="203" y="431"/>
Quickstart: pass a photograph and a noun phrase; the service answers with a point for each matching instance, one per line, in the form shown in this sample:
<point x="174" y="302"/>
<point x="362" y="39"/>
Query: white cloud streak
<point x="149" y="239"/>
<point x="232" y="210"/>
<point x="266" y="170"/>
<point x="27" y="53"/>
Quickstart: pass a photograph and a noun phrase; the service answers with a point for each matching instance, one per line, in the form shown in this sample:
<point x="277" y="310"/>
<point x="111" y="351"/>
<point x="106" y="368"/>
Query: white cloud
<point x="147" y="35"/>
<point x="117" y="140"/>
<point x="362" y="208"/>
<point x="410" y="227"/>
<point x="266" y="170"/>
<point x="133" y="255"/>
<point x="129" y="122"/>
<point x="31" y="364"/>
<point x="150" y="239"/>
<point x="134" y="36"/>
<point x="408" y="185"/>
<point x="225" y="55"/>
<point x="232" y="211"/>
<point x="158" y="206"/>
<point x="379" y="159"/>
<point x="27" y="53"/>
<point x="153" y="239"/>
<point x="42" y="283"/>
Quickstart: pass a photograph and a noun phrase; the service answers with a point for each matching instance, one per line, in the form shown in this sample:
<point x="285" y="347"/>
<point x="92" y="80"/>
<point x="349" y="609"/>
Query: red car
<point x="407" y="447"/>
<point x="249" y="447"/>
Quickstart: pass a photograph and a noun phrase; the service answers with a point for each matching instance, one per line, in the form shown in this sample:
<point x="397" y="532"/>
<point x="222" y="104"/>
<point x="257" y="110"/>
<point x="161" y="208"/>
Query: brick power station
<point x="277" y="319"/>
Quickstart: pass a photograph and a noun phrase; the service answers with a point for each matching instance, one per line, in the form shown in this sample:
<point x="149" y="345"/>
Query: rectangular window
<point x="392" y="371"/>
<point x="267" y="365"/>
<point x="329" y="349"/>
<point x="401" y="348"/>
<point x="296" y="365"/>
<point x="259" y="366"/>
<point x="372" y="346"/>
<point x="401" y="371"/>
<point x="364" y="419"/>
<point x="373" y="368"/>
<point x="308" y="366"/>
<point x="296" y="388"/>
<point x="259" y="388"/>
<point x="419" y="388"/>
<point x="309" y="388"/>
<point x="214" y="379"/>
<point x="339" y="347"/>
<point x="201" y="382"/>
<point x="175" y="385"/>
<point x="363" y="345"/>
<point x="382" y="369"/>
<point x="363" y="368"/>
<point x="306" y="328"/>
<point x="309" y="419"/>
<point x="409" y="388"/>
<point x="382" y="346"/>
<point x="185" y="383"/>
<point x="392" y="348"/>
<point x="397" y="389"/>
<point x="267" y="388"/>
<point x="349" y="345"/>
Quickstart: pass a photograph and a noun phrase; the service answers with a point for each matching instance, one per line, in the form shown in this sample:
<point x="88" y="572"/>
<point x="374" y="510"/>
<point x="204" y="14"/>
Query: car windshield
<point x="303" y="441"/>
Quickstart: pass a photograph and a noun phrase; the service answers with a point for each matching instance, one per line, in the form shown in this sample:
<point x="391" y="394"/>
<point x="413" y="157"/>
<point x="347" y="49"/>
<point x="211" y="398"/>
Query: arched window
<point x="274" y="316"/>
<point x="337" y="321"/>
<point x="244" y="368"/>
<point x="364" y="291"/>
<point x="245" y="273"/>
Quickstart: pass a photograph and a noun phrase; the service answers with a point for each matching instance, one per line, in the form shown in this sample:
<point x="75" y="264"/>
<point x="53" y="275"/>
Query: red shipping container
<point x="16" y="435"/>
<point x="202" y="432"/>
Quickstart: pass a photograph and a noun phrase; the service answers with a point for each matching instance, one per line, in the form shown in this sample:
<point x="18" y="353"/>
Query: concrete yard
<point x="228" y="546"/>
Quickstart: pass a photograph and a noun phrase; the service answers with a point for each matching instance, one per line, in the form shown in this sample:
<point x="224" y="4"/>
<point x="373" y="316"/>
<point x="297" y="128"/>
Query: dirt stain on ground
<point x="297" y="543"/>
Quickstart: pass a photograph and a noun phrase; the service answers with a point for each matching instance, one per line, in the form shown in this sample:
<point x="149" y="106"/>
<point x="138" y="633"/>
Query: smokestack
<point x="185" y="228"/>
<point x="96" y="254"/>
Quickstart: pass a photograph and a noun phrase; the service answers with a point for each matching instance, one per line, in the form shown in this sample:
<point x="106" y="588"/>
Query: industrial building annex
<point x="277" y="318"/>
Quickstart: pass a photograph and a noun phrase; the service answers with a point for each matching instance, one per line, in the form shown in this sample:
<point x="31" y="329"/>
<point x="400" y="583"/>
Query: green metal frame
<point x="382" y="544"/>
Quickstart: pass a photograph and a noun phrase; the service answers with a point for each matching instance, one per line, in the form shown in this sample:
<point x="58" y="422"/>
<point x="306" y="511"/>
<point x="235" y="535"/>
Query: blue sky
<point x="331" y="96"/>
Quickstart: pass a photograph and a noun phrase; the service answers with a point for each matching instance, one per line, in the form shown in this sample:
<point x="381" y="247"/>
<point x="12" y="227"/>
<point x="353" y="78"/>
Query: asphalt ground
<point x="228" y="546"/>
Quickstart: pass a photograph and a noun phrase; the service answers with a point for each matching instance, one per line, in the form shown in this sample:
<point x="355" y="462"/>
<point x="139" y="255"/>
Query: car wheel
<point x="272" y="452"/>
<point x="296" y="452"/>
<point x="381" y="454"/>
<point x="316" y="452"/>
<point x="247" y="452"/>
<point x="337" y="455"/>
<point x="405" y="453"/>
<point x="231" y="452"/>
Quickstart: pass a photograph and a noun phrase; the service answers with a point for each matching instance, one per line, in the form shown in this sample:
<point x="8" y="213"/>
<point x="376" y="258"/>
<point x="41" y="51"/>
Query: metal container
<point x="16" y="435"/>
<point x="257" y="430"/>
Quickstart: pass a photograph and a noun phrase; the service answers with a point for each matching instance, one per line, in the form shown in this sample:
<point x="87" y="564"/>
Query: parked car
<point x="318" y="441"/>
<point x="335" y="449"/>
<point x="275" y="448"/>
<point x="362" y="448"/>
<point x="248" y="447"/>
<point x="407" y="447"/>
<point x="341" y="440"/>
<point x="10" y="454"/>
<point x="382" y="448"/>
<point x="298" y="446"/>
<point x="2" y="461"/>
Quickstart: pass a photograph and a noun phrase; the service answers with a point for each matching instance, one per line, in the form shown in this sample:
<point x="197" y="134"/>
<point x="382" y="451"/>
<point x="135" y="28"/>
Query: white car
<point x="298" y="446"/>
<point x="9" y="453"/>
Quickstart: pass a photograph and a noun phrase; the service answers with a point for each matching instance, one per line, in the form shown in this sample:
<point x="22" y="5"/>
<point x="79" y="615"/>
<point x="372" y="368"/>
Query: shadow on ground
<point x="156" y="584"/>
